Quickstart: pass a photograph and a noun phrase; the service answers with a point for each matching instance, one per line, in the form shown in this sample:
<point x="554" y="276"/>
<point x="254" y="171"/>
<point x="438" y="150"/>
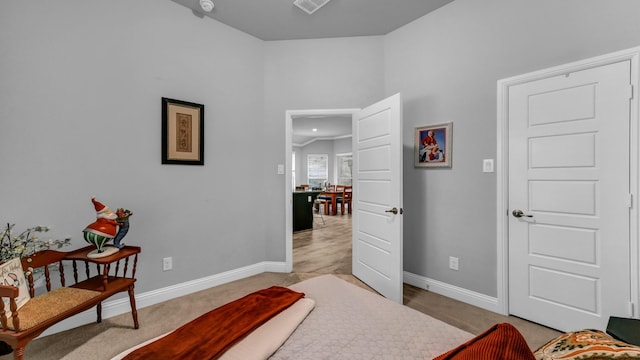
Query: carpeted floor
<point x="113" y="335"/>
<point x="331" y="239"/>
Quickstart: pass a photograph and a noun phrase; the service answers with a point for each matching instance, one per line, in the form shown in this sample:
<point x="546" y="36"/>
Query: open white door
<point x="377" y="197"/>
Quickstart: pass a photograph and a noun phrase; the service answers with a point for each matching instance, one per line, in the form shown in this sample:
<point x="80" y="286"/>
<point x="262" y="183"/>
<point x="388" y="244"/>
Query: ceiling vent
<point x="310" y="6"/>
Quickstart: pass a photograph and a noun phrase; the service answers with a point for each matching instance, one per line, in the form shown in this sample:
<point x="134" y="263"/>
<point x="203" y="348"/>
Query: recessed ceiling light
<point x="314" y="129"/>
<point x="310" y="6"/>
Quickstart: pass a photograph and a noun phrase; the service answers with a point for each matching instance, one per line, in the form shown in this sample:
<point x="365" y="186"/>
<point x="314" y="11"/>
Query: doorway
<point x="551" y="149"/>
<point x="344" y="114"/>
<point x="377" y="241"/>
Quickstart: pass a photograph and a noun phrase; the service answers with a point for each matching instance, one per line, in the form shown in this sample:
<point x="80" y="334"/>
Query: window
<point x="343" y="164"/>
<point x="317" y="169"/>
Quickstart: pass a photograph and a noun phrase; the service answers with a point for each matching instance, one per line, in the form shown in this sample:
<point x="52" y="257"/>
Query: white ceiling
<point x="328" y="128"/>
<point x="272" y="20"/>
<point x="281" y="20"/>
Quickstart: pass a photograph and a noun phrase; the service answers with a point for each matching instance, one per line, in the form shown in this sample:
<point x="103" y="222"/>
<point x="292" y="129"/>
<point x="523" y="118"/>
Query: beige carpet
<point x="113" y="335"/>
<point x="324" y="250"/>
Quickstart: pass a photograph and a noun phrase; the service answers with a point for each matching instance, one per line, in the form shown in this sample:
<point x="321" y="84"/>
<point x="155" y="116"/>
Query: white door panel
<point x="561" y="105"/>
<point x="375" y="126"/>
<point x="569" y="173"/>
<point x="570" y="150"/>
<point x="377" y="178"/>
<point x="579" y="293"/>
<point x="567" y="197"/>
<point x="578" y="245"/>
<point x="375" y="159"/>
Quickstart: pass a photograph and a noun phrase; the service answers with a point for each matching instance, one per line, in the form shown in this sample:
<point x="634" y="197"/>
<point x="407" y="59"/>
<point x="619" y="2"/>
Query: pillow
<point x="500" y="342"/>
<point x="11" y="274"/>
<point x="585" y="345"/>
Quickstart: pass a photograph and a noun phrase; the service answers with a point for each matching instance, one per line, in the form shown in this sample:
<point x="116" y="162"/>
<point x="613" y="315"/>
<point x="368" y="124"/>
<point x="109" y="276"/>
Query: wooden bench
<point x="94" y="280"/>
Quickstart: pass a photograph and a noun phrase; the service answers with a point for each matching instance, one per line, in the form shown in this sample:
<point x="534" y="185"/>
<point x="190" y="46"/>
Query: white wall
<point x="446" y="65"/>
<point x="329" y="147"/>
<point x="80" y="97"/>
<point x="311" y="74"/>
<point x="80" y="89"/>
<point x="343" y="146"/>
<point x="80" y="113"/>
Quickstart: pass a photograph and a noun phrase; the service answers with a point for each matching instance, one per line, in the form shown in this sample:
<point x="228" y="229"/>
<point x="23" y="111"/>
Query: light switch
<point x="487" y="165"/>
<point x="280" y="169"/>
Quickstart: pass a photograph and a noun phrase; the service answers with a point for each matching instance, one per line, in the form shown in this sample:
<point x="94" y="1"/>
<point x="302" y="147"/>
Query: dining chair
<point x="317" y="203"/>
<point x="345" y="200"/>
<point x="325" y="200"/>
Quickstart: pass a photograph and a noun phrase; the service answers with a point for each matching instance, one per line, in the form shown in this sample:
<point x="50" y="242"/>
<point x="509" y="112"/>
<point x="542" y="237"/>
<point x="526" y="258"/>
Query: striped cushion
<point x="500" y="342"/>
<point x="46" y="306"/>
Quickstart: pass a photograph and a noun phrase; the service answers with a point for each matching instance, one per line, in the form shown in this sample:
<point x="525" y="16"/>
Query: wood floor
<point x="327" y="250"/>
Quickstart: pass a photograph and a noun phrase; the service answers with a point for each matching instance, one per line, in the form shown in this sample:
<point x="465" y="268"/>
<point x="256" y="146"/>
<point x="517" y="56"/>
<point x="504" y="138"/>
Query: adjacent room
<point x="455" y="170"/>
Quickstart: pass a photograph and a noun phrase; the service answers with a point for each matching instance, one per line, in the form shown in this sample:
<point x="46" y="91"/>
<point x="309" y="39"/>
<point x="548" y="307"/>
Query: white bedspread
<point x="347" y="322"/>
<point x="350" y="322"/>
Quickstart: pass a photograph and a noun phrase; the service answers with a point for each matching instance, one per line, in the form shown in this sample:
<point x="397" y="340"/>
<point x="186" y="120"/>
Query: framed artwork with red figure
<point x="432" y="145"/>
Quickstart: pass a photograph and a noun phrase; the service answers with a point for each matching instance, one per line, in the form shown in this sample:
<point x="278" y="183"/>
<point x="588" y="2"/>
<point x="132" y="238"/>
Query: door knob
<point x="518" y="213"/>
<point x="394" y="211"/>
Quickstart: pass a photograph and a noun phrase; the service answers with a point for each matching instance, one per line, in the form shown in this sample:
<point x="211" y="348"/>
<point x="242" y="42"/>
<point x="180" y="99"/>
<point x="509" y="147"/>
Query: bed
<point x="341" y="320"/>
<point x="335" y="319"/>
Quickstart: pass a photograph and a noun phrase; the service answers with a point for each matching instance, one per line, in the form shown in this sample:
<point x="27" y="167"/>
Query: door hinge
<point x="631" y="91"/>
<point x="630" y="201"/>
<point x="631" y="309"/>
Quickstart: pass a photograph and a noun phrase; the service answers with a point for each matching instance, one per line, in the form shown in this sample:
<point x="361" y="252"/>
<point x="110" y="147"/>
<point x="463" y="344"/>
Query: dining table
<point x="334" y="200"/>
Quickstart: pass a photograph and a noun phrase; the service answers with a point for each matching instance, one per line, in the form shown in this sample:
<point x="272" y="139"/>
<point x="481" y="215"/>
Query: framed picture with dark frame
<point x="432" y="145"/>
<point x="182" y="132"/>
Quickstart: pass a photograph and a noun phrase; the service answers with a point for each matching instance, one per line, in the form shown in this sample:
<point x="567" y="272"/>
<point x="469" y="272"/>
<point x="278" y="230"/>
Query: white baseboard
<point x="121" y="306"/>
<point x="470" y="297"/>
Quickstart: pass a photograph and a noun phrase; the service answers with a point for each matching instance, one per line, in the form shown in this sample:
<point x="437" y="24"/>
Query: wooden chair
<point x="325" y="201"/>
<point x="345" y="200"/>
<point x="60" y="301"/>
<point x="316" y="204"/>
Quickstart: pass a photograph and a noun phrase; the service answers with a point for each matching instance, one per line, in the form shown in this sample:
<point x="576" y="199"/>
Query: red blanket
<point x="210" y="335"/>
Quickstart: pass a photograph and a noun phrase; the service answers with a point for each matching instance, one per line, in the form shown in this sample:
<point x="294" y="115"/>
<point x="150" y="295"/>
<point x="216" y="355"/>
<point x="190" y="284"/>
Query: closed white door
<point x="377" y="197"/>
<point x="569" y="198"/>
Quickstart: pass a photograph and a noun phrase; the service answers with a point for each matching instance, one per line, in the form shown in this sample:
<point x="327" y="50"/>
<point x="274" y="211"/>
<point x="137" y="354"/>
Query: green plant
<point x="26" y="243"/>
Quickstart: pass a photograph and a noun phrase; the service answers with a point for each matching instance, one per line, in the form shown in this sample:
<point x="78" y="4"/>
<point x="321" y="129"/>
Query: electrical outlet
<point x="453" y="263"/>
<point x="167" y="263"/>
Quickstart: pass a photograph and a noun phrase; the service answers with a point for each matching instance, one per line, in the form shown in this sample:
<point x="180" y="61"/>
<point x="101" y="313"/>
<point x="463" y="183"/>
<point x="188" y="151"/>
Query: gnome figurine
<point x="123" y="226"/>
<point x="104" y="229"/>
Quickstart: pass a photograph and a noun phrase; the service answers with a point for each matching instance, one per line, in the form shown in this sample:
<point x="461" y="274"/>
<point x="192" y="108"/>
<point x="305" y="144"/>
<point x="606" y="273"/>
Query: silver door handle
<point x="395" y="211"/>
<point x="518" y="213"/>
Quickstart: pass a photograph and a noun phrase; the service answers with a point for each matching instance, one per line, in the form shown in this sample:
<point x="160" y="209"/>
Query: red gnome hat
<point x="103" y="211"/>
<point x="105" y="224"/>
<point x="98" y="205"/>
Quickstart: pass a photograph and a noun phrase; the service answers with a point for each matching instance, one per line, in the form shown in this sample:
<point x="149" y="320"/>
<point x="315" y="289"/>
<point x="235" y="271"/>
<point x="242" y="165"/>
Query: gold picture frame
<point x="182" y="132"/>
<point x="432" y="145"/>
